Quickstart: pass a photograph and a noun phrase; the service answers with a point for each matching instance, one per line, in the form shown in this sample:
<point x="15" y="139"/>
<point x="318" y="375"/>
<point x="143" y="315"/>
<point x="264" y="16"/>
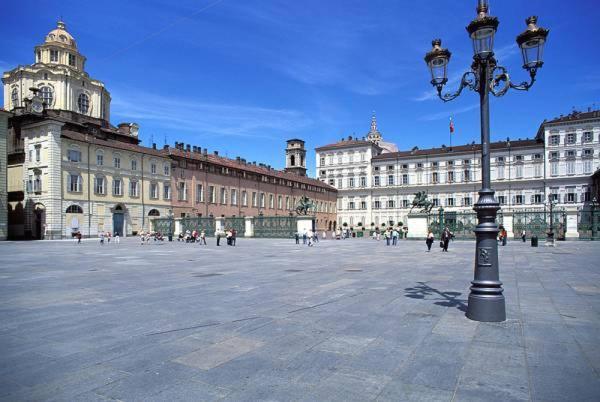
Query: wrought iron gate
<point x="237" y="223"/>
<point x="275" y="226"/>
<point x="199" y="224"/>
<point x="165" y="226"/>
<point x="588" y="224"/>
<point x="461" y="223"/>
<point x="537" y="222"/>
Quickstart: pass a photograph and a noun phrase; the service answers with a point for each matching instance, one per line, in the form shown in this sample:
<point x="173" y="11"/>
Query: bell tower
<point x="295" y="157"/>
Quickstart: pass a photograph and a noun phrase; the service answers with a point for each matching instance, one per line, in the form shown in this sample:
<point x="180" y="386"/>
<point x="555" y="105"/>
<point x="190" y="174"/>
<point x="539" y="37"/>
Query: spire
<point x="60" y="24"/>
<point x="373" y="123"/>
<point x="374" y="135"/>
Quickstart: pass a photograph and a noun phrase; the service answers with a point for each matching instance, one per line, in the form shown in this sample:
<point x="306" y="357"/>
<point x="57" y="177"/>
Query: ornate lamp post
<point x="486" y="302"/>
<point x="550" y="233"/>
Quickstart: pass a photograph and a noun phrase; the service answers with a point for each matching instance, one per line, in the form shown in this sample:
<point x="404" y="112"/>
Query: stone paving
<point x="349" y="320"/>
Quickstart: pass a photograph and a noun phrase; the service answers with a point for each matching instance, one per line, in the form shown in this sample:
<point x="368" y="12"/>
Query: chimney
<point x="238" y="159"/>
<point x="205" y="151"/>
<point x="154" y="145"/>
<point x="243" y="160"/>
<point x="216" y="153"/>
<point x="166" y="146"/>
<point x="194" y="149"/>
<point x="254" y="163"/>
<point x="188" y="148"/>
<point x="123" y="128"/>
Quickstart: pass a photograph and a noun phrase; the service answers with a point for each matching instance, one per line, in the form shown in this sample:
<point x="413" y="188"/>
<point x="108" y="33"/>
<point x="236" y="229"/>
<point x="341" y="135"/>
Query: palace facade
<point x="69" y="170"/>
<point x="376" y="185"/>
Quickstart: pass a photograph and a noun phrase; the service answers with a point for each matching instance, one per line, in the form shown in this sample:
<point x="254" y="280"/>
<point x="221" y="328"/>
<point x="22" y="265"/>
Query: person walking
<point x="386" y="236"/>
<point x="395" y="235"/>
<point x="78" y="235"/>
<point x="297" y="236"/>
<point x="117" y="238"/>
<point x="445" y="239"/>
<point x="218" y="238"/>
<point x="324" y="235"/>
<point x="108" y="236"/>
<point x="429" y="240"/>
<point x="523" y="236"/>
<point x="101" y="235"/>
<point x="233" y="237"/>
<point x="203" y="237"/>
<point x="304" y="237"/>
<point x="310" y="236"/>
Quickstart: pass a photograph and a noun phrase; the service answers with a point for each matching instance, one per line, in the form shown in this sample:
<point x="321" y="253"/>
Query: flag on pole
<point x="451" y="126"/>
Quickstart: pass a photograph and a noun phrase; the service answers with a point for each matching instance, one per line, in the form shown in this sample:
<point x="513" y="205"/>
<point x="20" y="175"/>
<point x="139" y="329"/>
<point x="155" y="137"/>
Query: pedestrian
<point x="297" y="236"/>
<point x="233" y="237"/>
<point x="304" y="237"/>
<point x="429" y="240"/>
<point x="78" y="235"/>
<point x="142" y="237"/>
<point x="377" y="233"/>
<point x="218" y="238"/>
<point x="315" y="235"/>
<point x="386" y="236"/>
<point x="228" y="236"/>
<point x="395" y="235"/>
<point x="523" y="236"/>
<point x="504" y="237"/>
<point x="101" y="235"/>
<point x="203" y="237"/>
<point x="310" y="236"/>
<point x="108" y="236"/>
<point x="117" y="238"/>
<point x="445" y="239"/>
<point x="324" y="235"/>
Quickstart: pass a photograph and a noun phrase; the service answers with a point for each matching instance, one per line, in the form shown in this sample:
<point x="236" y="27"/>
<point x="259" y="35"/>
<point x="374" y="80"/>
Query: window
<point x="390" y="168"/>
<point x="376" y="181"/>
<point x="245" y="198"/>
<point x="467" y="175"/>
<point x="571" y="196"/>
<point x="74" y="183"/>
<point x="405" y="178"/>
<point x="74" y="209"/>
<point x="331" y="182"/>
<point x="450" y="177"/>
<point x="537" y="157"/>
<point x="537" y="170"/>
<point x="181" y="191"/>
<point x="500" y="159"/>
<point x="554" y="139"/>
<point x="167" y="169"/>
<point x="570" y="138"/>
<point x="254" y="200"/>
<point x="466" y="162"/>
<point x="53" y="56"/>
<point x="99" y="159"/>
<point x="71" y="59"/>
<point x="153" y="168"/>
<point x="223" y="195"/>
<point x="74" y="155"/>
<point x="47" y="95"/>
<point x="554" y="195"/>
<point x="350" y="157"/>
<point x="38" y="153"/>
<point x="362" y="156"/>
<point x="199" y="193"/>
<point x="435" y="164"/>
<point x="351" y="182"/>
<point x="133" y="164"/>
<point x="554" y="155"/>
<point x="351" y="205"/>
<point x="519" y="171"/>
<point x="39" y="56"/>
<point x="467" y="201"/>
<point x="99" y="186"/>
<point x="37" y="183"/>
<point x="376" y="204"/>
<point x="519" y="199"/>
<point x="434" y="178"/>
<point x="271" y="201"/>
<point x="339" y="183"/>
<point x="419" y="165"/>
<point x="117" y="162"/>
<point x="570" y="167"/>
<point x="436" y="202"/>
<point x="14" y="97"/>
<point x="588" y="136"/>
<point x="390" y="203"/>
<point x="405" y="166"/>
<point x="450" y="202"/>
<point x="279" y="202"/>
<point x="570" y="154"/>
<point x="519" y="158"/>
<point x="134" y="189"/>
<point x="363" y="181"/>
<point x="537" y="199"/>
<point x="587" y="166"/>
<point x="419" y="177"/>
<point x="166" y="191"/>
<point x="262" y="200"/>
<point x="554" y="169"/>
<point x="500" y="172"/>
<point x="501" y="200"/>
<point x="390" y="180"/>
<point x="405" y="204"/>
<point x="83" y="103"/>
<point x="287" y="202"/>
<point x="322" y="161"/>
<point x="363" y="205"/>
<point x="330" y="159"/>
<point x="117" y="187"/>
<point x="154" y="212"/>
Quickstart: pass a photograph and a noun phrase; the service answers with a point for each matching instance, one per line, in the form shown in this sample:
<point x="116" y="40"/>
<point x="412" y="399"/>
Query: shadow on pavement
<point x="448" y="299"/>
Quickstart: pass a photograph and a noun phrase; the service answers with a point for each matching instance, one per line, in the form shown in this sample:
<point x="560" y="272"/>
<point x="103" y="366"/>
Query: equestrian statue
<point x="421" y="201"/>
<point x="305" y="206"/>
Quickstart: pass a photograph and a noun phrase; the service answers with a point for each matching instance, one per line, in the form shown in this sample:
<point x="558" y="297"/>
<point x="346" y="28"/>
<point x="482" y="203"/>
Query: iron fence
<point x="275" y="226"/>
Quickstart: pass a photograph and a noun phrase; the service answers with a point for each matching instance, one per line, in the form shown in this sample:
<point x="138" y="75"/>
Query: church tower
<point x="295" y="157"/>
<point x="374" y="135"/>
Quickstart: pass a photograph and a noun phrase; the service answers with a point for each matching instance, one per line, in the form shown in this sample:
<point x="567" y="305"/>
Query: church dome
<point x="60" y="36"/>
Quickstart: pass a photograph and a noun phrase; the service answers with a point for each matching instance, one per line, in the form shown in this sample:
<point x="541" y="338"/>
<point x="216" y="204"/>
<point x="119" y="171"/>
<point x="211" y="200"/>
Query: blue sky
<point x="242" y="76"/>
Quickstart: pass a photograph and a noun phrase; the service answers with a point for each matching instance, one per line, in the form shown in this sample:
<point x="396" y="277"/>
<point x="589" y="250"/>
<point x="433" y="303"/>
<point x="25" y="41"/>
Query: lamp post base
<point x="486" y="308"/>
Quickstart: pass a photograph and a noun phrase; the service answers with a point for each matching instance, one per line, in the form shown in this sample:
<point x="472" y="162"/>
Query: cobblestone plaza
<point x="348" y="320"/>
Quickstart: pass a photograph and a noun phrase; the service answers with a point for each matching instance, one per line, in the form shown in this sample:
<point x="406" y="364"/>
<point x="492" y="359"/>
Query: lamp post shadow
<point x="445" y="299"/>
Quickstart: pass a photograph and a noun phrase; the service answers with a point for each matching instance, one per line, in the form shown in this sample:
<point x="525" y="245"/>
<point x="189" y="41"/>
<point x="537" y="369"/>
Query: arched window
<point x="74" y="209"/>
<point x="154" y="212"/>
<point x="292" y="160"/>
<point x="83" y="103"/>
<point x="47" y="95"/>
<point x="15" y="97"/>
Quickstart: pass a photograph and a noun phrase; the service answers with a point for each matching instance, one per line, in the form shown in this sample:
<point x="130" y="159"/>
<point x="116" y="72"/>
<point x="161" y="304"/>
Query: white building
<point x="376" y="186"/>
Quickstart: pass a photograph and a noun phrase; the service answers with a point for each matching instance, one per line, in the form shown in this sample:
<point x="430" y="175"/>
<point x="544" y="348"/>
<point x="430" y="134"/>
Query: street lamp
<point x="550" y="233"/>
<point x="486" y="302"/>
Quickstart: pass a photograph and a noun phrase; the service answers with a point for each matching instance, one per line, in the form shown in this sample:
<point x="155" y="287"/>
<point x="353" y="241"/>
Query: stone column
<point x="417" y="226"/>
<point x="508" y="223"/>
<point x="572" y="233"/>
<point x="218" y="225"/>
<point x="249" y="229"/>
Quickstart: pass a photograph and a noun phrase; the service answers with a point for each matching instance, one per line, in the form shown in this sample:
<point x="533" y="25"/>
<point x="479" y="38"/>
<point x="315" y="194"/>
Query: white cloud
<point x="205" y="118"/>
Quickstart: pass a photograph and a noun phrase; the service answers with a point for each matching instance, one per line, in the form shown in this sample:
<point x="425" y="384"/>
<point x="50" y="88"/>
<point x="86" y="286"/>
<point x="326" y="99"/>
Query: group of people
<point x="105" y="236"/>
<point x="391" y="236"/>
<point x="230" y="236"/>
<point x="445" y="238"/>
<point x="193" y="237"/>
<point x="309" y="237"/>
<point x="145" y="237"/>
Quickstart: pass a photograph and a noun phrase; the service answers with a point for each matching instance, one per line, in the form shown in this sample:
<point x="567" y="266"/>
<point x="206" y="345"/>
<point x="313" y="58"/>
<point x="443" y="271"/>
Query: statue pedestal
<point x="305" y="223"/>
<point x="417" y="225"/>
